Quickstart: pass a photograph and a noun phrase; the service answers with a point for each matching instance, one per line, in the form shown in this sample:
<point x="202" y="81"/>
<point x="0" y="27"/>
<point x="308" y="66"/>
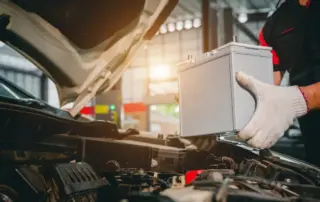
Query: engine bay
<point x="155" y="172"/>
<point x="226" y="180"/>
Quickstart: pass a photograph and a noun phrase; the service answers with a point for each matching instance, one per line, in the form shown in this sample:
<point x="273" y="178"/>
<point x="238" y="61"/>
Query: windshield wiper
<point x="34" y="103"/>
<point x="42" y="105"/>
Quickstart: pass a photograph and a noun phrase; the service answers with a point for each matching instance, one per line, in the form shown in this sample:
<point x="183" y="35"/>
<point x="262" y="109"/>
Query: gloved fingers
<point x="273" y="139"/>
<point x="258" y="140"/>
<point x="266" y="138"/>
<point x="245" y="81"/>
<point x="270" y="140"/>
<point x="250" y="129"/>
<point x="249" y="82"/>
<point x="270" y="143"/>
<point x="256" y="123"/>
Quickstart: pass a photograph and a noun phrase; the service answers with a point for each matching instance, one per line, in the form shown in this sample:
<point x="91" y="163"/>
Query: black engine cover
<point x="61" y="182"/>
<point x="75" y="178"/>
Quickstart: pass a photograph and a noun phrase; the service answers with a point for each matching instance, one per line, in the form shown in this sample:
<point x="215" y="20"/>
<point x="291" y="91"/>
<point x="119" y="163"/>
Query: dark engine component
<point x="273" y="171"/>
<point x="113" y="152"/>
<point x="134" y="180"/>
<point x="74" y="178"/>
<point x="62" y="182"/>
<point x="138" y="185"/>
<point x="252" y="180"/>
<point x="24" y="182"/>
<point x="159" y="158"/>
<point x="162" y="174"/>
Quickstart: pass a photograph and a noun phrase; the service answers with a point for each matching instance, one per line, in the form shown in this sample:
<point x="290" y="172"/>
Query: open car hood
<point x="84" y="46"/>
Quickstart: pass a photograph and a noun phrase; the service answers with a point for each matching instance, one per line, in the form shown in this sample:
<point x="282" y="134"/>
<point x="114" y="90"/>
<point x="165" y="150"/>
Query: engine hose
<point x="289" y="170"/>
<point x="247" y="171"/>
<point x="231" y="162"/>
<point x="274" y="184"/>
<point x="255" y="189"/>
<point x="161" y="182"/>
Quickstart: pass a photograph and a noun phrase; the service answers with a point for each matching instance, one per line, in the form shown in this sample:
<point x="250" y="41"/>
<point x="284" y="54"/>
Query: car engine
<point x="226" y="180"/>
<point x="227" y="173"/>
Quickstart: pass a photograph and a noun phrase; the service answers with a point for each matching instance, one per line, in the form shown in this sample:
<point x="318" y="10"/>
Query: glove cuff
<point x="299" y="102"/>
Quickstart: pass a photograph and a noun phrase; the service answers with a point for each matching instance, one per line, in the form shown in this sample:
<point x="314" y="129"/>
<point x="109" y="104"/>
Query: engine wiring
<point x="260" y="176"/>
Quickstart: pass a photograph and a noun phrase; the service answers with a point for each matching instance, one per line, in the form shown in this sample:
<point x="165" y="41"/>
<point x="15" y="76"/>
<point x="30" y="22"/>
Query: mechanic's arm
<point x="276" y="106"/>
<point x="312" y="95"/>
<point x="277" y="78"/>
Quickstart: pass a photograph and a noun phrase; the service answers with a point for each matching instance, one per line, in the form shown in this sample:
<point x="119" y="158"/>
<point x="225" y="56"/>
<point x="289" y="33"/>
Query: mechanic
<point x="293" y="32"/>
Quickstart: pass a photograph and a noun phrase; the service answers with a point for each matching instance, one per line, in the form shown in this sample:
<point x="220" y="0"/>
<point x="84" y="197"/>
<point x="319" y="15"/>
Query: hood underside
<point x="84" y="46"/>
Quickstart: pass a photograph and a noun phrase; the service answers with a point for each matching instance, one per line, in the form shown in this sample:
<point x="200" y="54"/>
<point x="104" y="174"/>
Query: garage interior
<point x="144" y="98"/>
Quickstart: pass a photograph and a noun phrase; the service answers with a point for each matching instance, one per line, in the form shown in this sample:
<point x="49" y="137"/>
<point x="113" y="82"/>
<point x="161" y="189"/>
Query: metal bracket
<point x="87" y="95"/>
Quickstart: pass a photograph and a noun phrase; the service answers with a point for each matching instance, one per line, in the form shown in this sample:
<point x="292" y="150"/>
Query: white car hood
<point x="81" y="65"/>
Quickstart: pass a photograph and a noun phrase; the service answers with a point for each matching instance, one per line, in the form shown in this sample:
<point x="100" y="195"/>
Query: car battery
<point x="211" y="100"/>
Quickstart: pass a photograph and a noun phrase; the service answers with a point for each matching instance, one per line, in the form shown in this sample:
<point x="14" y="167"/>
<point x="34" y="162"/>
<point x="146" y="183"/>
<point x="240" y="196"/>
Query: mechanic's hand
<point x="276" y="109"/>
<point x="204" y="143"/>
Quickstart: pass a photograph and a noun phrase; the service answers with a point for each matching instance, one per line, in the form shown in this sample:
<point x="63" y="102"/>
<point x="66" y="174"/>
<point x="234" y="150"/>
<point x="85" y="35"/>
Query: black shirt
<point x="293" y="31"/>
<point x="312" y="42"/>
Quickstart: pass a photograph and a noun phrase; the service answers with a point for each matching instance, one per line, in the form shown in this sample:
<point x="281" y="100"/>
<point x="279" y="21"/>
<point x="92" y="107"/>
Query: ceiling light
<point x="171" y="27"/>
<point x="243" y="17"/>
<point x="163" y="29"/>
<point x="179" y="25"/>
<point x="159" y="72"/>
<point x="188" y="24"/>
<point x="196" y="23"/>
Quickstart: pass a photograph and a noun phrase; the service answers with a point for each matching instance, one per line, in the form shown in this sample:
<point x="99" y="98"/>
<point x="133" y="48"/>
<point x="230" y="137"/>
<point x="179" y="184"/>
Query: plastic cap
<point x="191" y="175"/>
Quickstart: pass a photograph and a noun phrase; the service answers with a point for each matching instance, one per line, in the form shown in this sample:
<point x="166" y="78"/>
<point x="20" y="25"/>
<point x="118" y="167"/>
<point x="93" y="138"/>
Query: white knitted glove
<point x="276" y="108"/>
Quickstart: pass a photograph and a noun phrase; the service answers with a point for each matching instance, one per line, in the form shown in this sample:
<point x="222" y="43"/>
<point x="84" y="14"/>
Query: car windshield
<point x="10" y="91"/>
<point x="20" y="78"/>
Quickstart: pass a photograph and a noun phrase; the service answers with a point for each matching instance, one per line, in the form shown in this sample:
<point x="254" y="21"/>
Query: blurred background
<point x="145" y="97"/>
